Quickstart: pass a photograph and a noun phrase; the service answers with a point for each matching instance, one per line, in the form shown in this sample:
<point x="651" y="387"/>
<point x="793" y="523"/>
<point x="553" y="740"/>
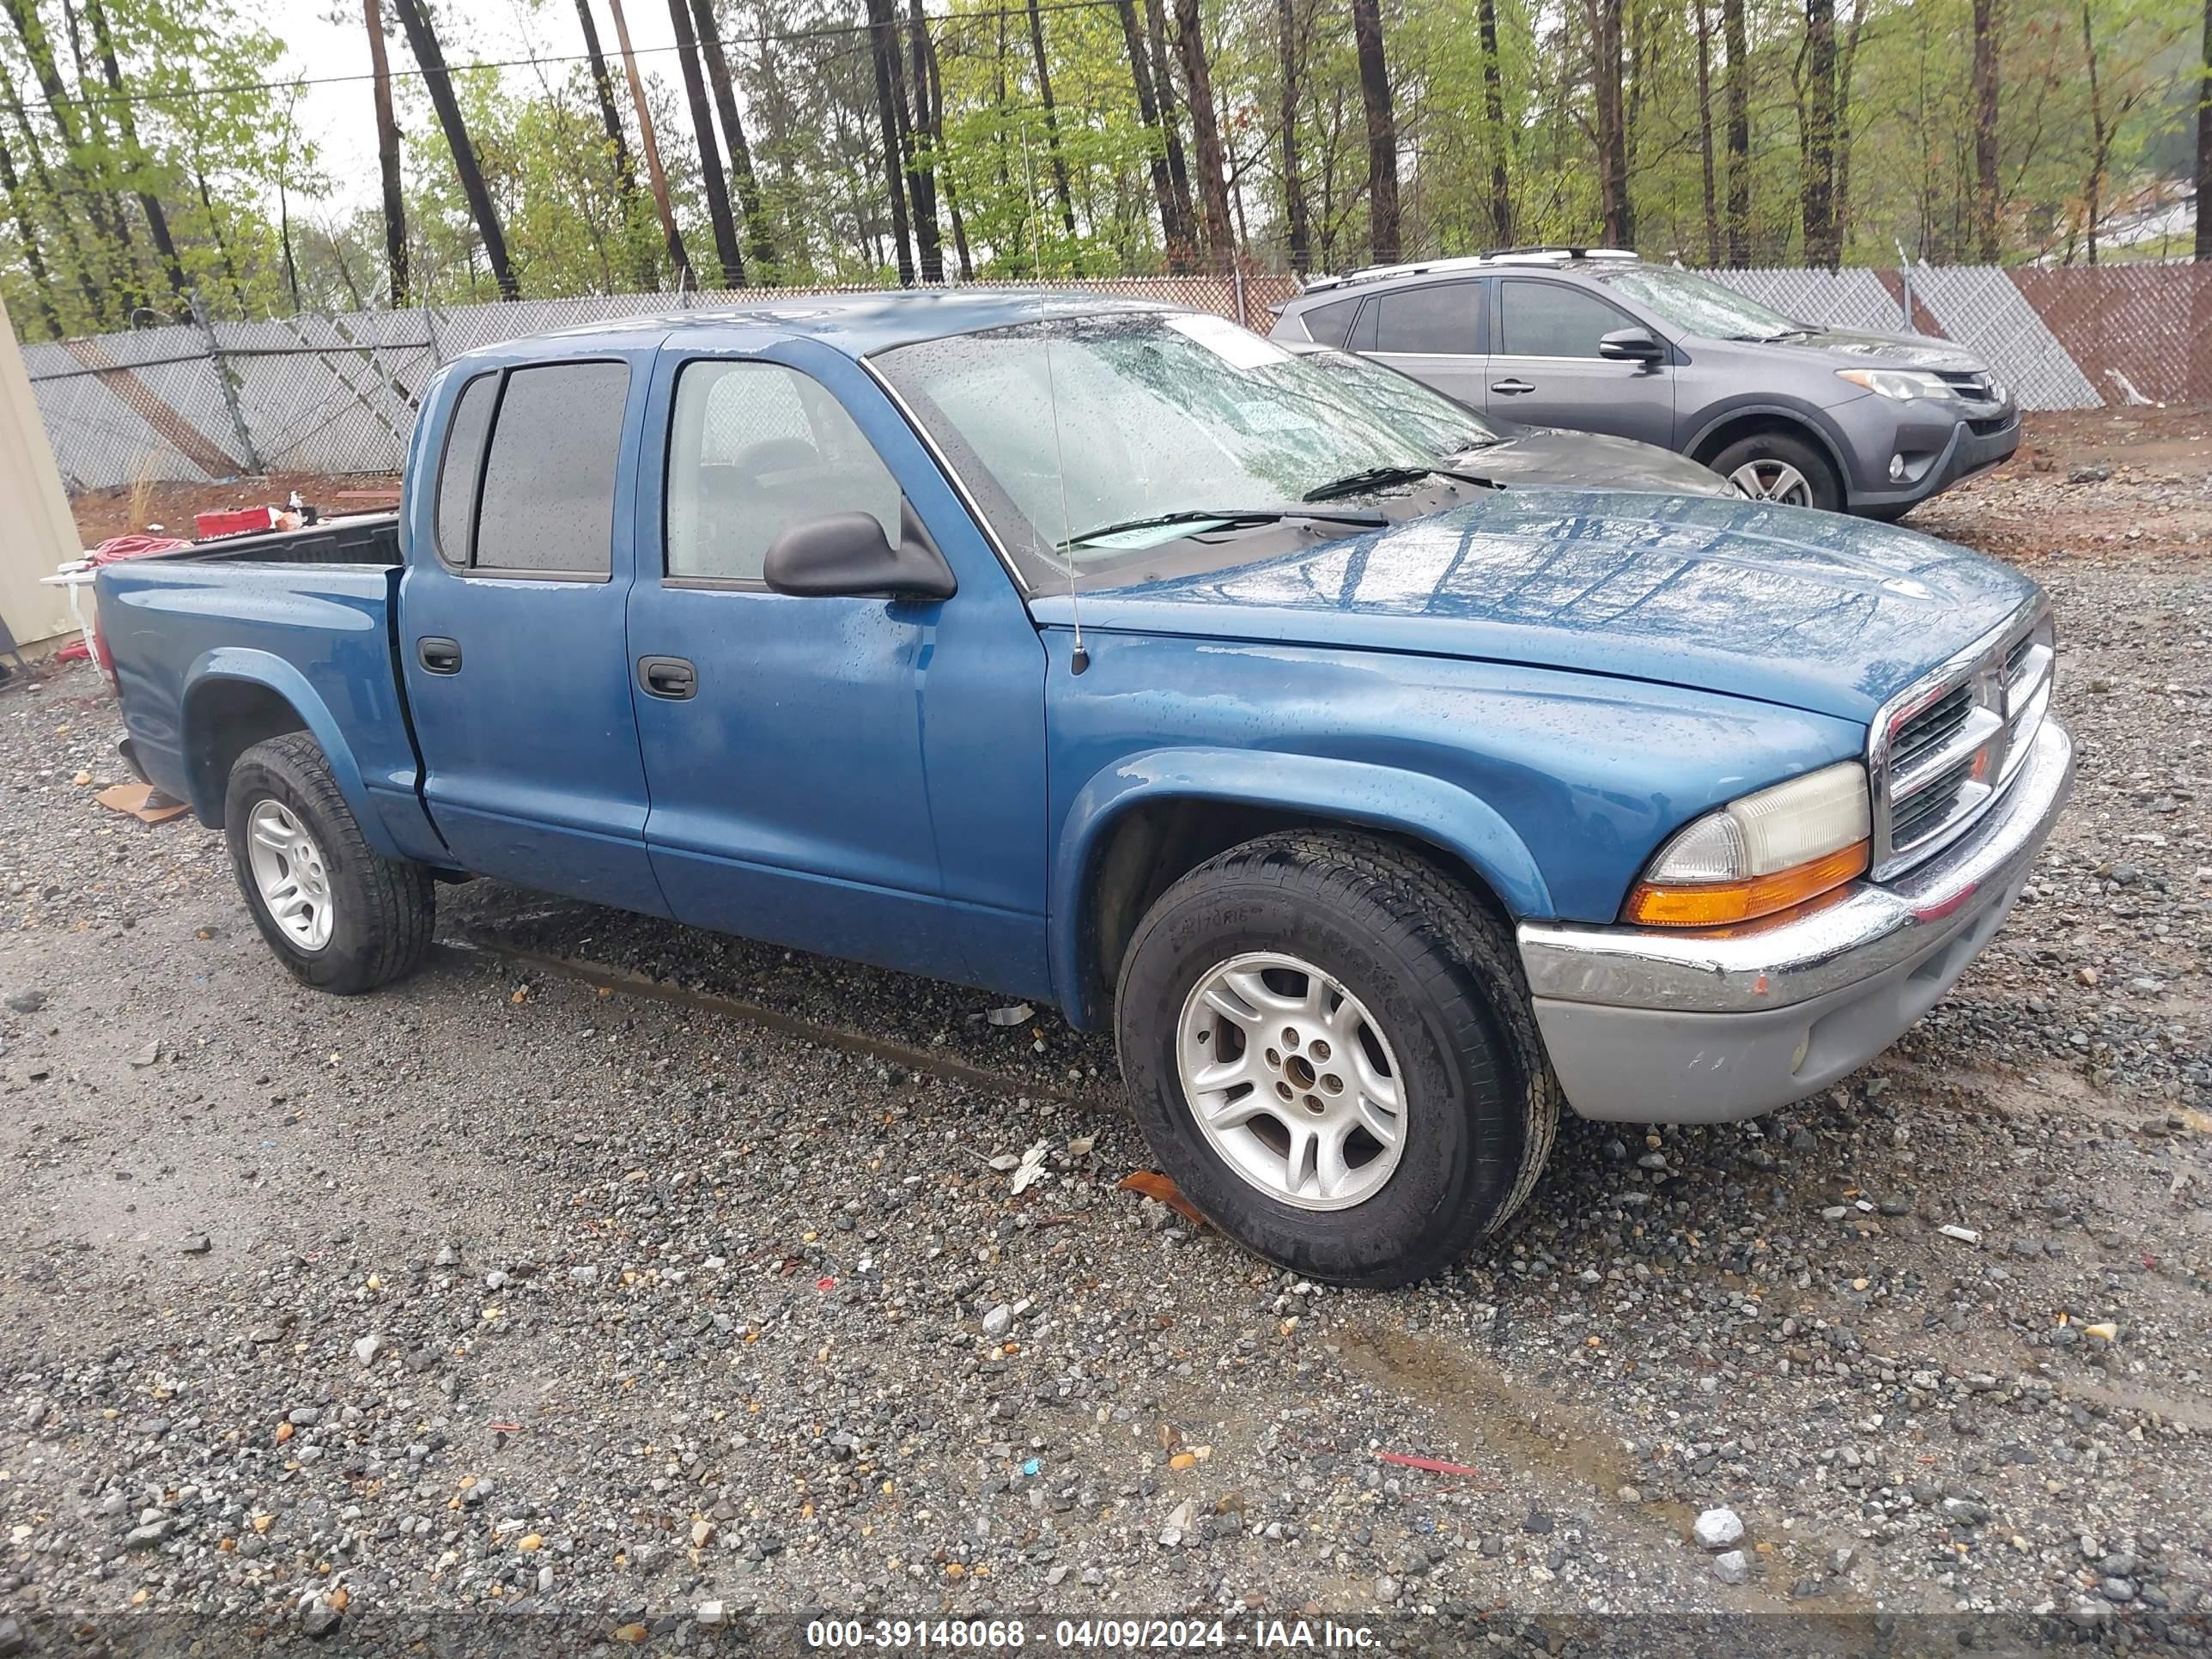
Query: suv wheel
<point x="1329" y="1047"/>
<point x="1774" y="466"/>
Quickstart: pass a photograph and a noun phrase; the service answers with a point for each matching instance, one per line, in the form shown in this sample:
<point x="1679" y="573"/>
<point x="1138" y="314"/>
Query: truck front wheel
<point x="340" y="917"/>
<point x="1329" y="1047"/>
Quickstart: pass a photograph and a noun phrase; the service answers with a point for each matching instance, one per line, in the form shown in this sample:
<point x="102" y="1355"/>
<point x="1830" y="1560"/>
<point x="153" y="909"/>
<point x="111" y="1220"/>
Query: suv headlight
<point x="1902" y="384"/>
<point x="1760" y="854"/>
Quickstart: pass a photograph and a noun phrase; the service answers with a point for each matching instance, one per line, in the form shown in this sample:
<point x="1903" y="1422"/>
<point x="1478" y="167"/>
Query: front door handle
<point x="673" y="677"/>
<point x="1510" y="387"/>
<point x="438" y="656"/>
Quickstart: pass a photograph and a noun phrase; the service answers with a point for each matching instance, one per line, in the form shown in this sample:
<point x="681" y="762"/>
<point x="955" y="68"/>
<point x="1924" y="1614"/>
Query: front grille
<point x="1947" y="747"/>
<point x="1928" y="731"/>
<point x="1926" y="809"/>
<point x="1973" y="384"/>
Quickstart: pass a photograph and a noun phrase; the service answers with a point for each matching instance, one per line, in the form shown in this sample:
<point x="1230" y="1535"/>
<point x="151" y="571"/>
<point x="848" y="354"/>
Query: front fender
<point x="1427" y="809"/>
<point x="242" y="665"/>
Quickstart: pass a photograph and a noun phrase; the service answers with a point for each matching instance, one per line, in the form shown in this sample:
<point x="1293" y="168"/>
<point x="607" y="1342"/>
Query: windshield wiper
<point x="1225" y="517"/>
<point x="1769" y="339"/>
<point x="1382" y="477"/>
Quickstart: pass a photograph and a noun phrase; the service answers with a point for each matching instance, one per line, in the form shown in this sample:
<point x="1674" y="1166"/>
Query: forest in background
<point x="154" y="171"/>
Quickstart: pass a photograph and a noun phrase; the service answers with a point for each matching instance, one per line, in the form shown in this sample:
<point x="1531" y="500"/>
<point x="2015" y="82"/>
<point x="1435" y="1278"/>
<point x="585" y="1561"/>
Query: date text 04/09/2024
<point x="1126" y="1635"/>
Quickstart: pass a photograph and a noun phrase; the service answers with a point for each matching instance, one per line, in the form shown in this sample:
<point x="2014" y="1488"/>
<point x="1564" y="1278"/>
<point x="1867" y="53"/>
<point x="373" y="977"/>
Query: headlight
<point x="1760" y="854"/>
<point x="1902" y="384"/>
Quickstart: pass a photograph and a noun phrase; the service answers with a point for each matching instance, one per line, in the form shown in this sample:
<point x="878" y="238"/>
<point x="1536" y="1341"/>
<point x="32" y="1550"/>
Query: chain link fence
<point x="338" y="394"/>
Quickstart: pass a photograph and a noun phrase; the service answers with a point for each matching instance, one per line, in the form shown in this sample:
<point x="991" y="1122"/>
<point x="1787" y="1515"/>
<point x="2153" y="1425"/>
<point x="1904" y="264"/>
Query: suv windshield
<point x="1698" y="307"/>
<point x="1071" y="430"/>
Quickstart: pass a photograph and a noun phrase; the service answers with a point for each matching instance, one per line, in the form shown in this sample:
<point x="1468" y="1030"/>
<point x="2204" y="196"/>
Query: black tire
<point x="382" y="909"/>
<point x="1440" y="978"/>
<point x="1826" y="488"/>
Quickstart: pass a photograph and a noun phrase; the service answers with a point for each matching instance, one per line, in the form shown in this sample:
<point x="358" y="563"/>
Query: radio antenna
<point x="1079" y="658"/>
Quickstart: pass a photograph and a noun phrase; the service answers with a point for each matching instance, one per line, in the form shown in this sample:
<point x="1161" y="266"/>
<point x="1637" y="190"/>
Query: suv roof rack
<point x="1554" y="250"/>
<point x="1532" y="254"/>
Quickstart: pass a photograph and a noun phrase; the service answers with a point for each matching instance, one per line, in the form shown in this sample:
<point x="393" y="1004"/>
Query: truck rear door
<point x="512" y="617"/>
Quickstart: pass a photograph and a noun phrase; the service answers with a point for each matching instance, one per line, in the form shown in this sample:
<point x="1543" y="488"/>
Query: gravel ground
<point x="617" y="1268"/>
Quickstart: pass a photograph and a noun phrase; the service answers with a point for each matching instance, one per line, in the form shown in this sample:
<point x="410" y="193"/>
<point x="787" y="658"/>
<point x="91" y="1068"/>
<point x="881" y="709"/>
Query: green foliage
<point x="245" y="198"/>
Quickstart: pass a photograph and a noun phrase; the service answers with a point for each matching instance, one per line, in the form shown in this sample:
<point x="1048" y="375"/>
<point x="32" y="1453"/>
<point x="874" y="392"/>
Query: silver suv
<point x="1595" y="339"/>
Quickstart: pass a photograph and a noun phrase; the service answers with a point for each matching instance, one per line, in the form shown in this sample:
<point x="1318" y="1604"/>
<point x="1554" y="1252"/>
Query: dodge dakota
<point x="1103" y="654"/>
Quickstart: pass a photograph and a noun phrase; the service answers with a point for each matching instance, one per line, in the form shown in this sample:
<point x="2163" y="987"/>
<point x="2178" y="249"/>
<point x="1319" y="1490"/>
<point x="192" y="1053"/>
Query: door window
<point x="1438" y="321"/>
<point x="548" y="503"/>
<point x="753" y="449"/>
<point x="1549" y="319"/>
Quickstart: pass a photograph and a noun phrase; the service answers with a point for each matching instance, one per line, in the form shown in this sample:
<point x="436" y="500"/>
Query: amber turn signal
<point x="1717" y="904"/>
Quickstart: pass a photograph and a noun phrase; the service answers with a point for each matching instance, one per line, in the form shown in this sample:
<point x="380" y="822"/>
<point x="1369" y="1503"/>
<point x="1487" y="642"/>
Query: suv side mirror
<point x="847" y="554"/>
<point x="1632" y="345"/>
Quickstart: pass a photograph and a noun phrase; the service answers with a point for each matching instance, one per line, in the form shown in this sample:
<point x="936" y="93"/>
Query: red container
<point x="240" y="521"/>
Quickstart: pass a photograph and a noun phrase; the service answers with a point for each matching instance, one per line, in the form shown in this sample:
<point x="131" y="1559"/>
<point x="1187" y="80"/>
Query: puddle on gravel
<point x="1472" y="1399"/>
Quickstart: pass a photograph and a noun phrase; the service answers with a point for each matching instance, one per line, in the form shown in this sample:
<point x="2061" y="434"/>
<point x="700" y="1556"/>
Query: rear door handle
<point x="438" y="656"/>
<point x="673" y="677"/>
<point x="1510" y="386"/>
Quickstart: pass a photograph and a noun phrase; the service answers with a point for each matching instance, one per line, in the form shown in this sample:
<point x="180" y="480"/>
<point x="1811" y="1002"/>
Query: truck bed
<point x="362" y="538"/>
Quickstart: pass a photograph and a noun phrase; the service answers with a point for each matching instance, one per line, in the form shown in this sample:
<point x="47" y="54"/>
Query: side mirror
<point x="1630" y="345"/>
<point x="846" y="554"/>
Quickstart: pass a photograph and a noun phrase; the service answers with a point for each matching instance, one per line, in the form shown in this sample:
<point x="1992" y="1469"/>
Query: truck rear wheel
<point x="1330" y="1049"/>
<point x="342" y="918"/>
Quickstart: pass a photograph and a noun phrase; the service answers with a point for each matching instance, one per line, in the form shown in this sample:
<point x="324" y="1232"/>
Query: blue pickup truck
<point x="1107" y="655"/>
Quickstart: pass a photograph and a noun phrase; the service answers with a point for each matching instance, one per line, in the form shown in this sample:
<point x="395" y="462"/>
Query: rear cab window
<point x="527" y="485"/>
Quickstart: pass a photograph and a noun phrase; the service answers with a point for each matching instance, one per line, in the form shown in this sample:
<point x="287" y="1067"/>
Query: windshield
<point x="1698" y="307"/>
<point x="1064" y="426"/>
<point x="1448" y="427"/>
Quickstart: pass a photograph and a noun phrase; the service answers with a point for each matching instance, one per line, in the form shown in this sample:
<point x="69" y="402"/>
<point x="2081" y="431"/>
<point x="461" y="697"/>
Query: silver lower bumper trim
<point x="1797" y="958"/>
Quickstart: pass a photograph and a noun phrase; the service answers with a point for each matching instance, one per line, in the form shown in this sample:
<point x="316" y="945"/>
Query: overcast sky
<point x="341" y="119"/>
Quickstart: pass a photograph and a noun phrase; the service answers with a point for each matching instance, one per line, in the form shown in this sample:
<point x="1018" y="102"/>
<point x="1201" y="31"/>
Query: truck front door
<point x="512" y="619"/>
<point x="860" y="776"/>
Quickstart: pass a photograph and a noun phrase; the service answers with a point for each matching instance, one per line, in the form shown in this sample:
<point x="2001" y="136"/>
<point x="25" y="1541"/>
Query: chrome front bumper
<point x="1654" y="1026"/>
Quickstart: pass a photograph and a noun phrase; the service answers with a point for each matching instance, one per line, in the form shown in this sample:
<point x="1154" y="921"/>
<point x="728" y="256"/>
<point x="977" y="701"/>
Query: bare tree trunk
<point x="157" y="221"/>
<point x="1294" y="187"/>
<point x="2099" y="138"/>
<point x="1705" y="132"/>
<point x="923" y="144"/>
<point x="1638" y="12"/>
<point x="1817" y="195"/>
<point x="33" y="260"/>
<point x="1604" y="18"/>
<point x="440" y="84"/>
<point x="1051" y="119"/>
<point x="387" y="157"/>
<point x="1985" y="131"/>
<point x="951" y="191"/>
<point x="711" y="176"/>
<point x="733" y="131"/>
<point x="1381" y="131"/>
<point x="884" y="42"/>
<point x="1739" y="134"/>
<point x="1493" y="113"/>
<point x="2202" y="251"/>
<point x="1155" y="35"/>
<point x="1205" y="133"/>
<point x="1845" y="60"/>
<point x="648" y="270"/>
<point x="1175" y="231"/>
<point x="649" y="142"/>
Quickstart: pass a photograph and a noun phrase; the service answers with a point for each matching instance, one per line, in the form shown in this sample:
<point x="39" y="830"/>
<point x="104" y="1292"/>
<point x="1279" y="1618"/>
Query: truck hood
<point x="1814" y="611"/>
